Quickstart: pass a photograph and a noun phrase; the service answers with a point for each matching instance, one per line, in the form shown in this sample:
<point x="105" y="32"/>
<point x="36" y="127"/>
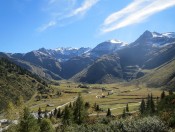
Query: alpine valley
<point x="104" y="87"/>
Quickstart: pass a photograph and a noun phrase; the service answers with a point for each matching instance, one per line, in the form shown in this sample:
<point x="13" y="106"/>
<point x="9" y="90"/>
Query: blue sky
<point x="27" y="25"/>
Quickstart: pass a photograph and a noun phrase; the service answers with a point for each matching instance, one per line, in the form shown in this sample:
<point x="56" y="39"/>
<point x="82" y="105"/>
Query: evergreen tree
<point x="59" y="113"/>
<point x="70" y="105"/>
<point x="142" y="107"/>
<point x="28" y="123"/>
<point x="46" y="126"/>
<point x="162" y="95"/>
<point x="39" y="113"/>
<point x="108" y="113"/>
<point x="97" y="108"/>
<point x="55" y="112"/>
<point x="80" y="113"/>
<point x="67" y="116"/>
<point x="152" y="104"/>
<point x="87" y="105"/>
<point x="124" y="113"/>
<point x="127" y="108"/>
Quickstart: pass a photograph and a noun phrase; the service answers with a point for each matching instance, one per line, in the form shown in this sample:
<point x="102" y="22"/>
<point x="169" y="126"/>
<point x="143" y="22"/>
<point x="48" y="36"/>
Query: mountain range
<point x="110" y="61"/>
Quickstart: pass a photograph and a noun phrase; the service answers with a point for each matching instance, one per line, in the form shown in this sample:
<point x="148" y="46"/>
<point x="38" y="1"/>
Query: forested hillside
<point x="15" y="81"/>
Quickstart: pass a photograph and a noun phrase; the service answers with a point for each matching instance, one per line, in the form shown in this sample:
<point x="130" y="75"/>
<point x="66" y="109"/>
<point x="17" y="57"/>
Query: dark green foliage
<point x="142" y="107"/>
<point x="150" y="106"/>
<point x="46" y="126"/>
<point x="166" y="109"/>
<point x="87" y="105"/>
<point x="28" y="123"/>
<point x="127" y="108"/>
<point x="67" y="116"/>
<point x="162" y="95"/>
<point x="167" y="103"/>
<point x="80" y="113"/>
<point x="39" y="113"/>
<point x="108" y="113"/>
<point x="59" y="113"/>
<point x="55" y="112"/>
<point x="97" y="108"/>
<point x="70" y="105"/>
<point x="124" y="113"/>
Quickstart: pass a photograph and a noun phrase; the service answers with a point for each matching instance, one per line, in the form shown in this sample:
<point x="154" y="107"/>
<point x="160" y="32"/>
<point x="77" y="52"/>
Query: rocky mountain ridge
<point x="110" y="60"/>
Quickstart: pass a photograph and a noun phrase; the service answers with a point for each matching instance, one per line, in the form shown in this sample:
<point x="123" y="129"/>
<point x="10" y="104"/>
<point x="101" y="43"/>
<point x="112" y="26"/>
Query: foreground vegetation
<point x="152" y="116"/>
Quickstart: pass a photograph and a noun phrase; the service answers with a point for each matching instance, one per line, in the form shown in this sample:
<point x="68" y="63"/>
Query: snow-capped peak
<point x="167" y="35"/>
<point x="114" y="41"/>
<point x="65" y="49"/>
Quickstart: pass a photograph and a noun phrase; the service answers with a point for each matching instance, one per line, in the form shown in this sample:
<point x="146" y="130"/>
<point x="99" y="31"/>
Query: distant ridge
<point x="109" y="61"/>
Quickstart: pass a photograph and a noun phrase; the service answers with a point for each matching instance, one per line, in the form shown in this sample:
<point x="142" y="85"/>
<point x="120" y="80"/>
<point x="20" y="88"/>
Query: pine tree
<point x="55" y="112"/>
<point x="28" y="123"/>
<point x="97" y="108"/>
<point x="162" y="95"/>
<point x="39" y="113"/>
<point x="46" y="126"/>
<point x="108" y="113"/>
<point x="127" y="108"/>
<point x="59" y="113"/>
<point x="87" y="105"/>
<point x="70" y="105"/>
<point x="124" y="113"/>
<point x="142" y="107"/>
<point x="152" y="104"/>
<point x="67" y="116"/>
<point x="80" y="113"/>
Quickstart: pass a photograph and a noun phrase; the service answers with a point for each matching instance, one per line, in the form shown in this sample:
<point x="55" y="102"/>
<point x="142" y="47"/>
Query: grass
<point x="122" y="94"/>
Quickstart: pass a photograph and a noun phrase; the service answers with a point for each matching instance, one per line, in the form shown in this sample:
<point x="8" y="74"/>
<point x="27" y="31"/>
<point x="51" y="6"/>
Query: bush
<point x="146" y="124"/>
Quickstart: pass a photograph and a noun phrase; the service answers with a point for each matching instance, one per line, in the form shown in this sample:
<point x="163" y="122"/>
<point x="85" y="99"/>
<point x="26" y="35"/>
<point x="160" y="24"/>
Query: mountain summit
<point x="107" y="47"/>
<point x="155" y="39"/>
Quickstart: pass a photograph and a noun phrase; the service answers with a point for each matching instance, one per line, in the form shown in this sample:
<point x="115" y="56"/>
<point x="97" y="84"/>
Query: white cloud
<point x="136" y="12"/>
<point x="83" y="8"/>
<point x="46" y="26"/>
<point x="64" y="10"/>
